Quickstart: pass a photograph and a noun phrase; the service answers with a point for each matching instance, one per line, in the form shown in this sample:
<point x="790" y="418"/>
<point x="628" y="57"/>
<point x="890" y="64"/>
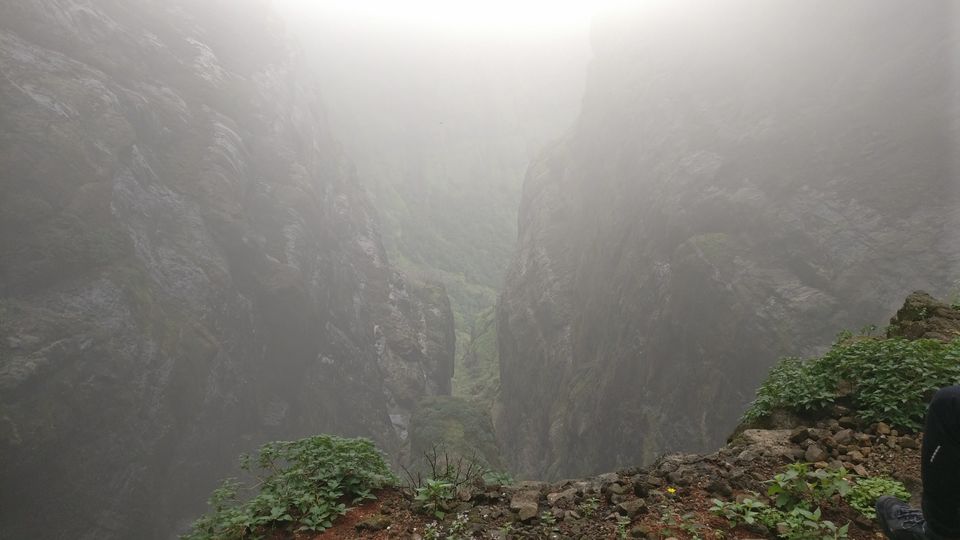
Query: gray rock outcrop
<point x="744" y="179"/>
<point x="188" y="267"/>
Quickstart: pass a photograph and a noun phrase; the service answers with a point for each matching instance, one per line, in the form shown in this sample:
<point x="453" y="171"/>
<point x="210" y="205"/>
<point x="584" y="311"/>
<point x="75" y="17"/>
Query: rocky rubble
<point x="640" y="502"/>
<point x="672" y="497"/>
<point x="924" y="317"/>
<point x="676" y="495"/>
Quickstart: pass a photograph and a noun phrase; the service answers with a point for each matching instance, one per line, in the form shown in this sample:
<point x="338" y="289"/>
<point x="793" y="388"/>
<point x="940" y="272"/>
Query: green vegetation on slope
<point x="886" y="380"/>
<point x="459" y="233"/>
<point x="795" y="499"/>
<point x="459" y="426"/>
<point x="477" y="373"/>
<point x="301" y="486"/>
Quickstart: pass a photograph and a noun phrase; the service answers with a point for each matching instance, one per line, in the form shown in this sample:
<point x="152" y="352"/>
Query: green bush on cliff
<point x="865" y="492"/>
<point x="794" y="512"/>
<point x="887" y="380"/>
<point x="303" y="485"/>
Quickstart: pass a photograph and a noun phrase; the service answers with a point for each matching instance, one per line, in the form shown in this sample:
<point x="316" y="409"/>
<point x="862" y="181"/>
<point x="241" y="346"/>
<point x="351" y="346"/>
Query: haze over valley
<point x="555" y="240"/>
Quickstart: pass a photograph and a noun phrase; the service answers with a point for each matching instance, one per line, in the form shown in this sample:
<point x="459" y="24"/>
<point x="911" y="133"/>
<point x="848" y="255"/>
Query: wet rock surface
<point x="667" y="258"/>
<point x="188" y="267"/>
<point x="923" y="316"/>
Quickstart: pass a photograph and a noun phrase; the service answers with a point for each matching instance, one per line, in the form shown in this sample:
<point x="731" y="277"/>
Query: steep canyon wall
<point x="745" y="178"/>
<point x="188" y="266"/>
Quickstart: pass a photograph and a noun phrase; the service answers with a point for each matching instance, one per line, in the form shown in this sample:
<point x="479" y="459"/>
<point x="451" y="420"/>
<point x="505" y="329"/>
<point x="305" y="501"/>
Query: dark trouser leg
<point x="940" y="466"/>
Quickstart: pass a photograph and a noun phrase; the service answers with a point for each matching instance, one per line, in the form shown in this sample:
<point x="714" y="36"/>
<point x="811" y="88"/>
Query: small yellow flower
<point x="671" y="490"/>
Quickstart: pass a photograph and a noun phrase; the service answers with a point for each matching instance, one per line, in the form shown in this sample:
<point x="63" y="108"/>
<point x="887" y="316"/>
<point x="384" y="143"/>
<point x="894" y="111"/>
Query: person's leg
<point x="940" y="465"/>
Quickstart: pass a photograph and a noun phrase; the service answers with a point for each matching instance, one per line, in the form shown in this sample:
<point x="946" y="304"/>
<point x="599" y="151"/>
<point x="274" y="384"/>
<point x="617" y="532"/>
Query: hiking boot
<point x="900" y="522"/>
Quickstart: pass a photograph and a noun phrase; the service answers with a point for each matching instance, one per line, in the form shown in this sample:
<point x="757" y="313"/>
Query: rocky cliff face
<point x="743" y="180"/>
<point x="188" y="267"/>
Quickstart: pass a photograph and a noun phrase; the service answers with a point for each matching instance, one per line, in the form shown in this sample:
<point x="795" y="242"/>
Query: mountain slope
<point x="722" y="201"/>
<point x="188" y="266"/>
<point x="812" y="467"/>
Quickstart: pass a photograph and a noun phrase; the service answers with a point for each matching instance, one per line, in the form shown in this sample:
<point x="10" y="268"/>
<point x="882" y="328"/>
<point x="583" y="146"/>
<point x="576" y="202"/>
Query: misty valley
<point x="663" y="269"/>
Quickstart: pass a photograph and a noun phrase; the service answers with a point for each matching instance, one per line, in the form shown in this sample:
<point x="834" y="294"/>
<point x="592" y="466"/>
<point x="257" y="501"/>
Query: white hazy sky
<point x="474" y="16"/>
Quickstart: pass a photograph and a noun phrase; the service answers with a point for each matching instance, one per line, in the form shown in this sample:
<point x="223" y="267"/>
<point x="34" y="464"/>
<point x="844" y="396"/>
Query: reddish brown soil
<point x="664" y="519"/>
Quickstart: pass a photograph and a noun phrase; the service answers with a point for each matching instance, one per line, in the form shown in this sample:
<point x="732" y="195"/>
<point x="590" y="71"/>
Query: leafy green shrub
<point x="750" y="511"/>
<point x="796" y="493"/>
<point x="802" y="524"/>
<point x="444" y="474"/>
<point x="799" y="486"/>
<point x="434" y="496"/>
<point x="458" y="529"/>
<point x="889" y="379"/>
<point x="797" y="523"/>
<point x="793" y="384"/>
<point x="687" y="523"/>
<point x="432" y="531"/>
<point x="622" y="523"/>
<point x="497" y="478"/>
<point x="589" y="507"/>
<point x="865" y="492"/>
<point x="302" y="484"/>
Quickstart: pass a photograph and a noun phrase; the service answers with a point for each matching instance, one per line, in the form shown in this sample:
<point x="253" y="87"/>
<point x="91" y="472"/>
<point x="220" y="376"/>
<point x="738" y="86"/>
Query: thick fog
<point x="554" y="239"/>
<point x="441" y="117"/>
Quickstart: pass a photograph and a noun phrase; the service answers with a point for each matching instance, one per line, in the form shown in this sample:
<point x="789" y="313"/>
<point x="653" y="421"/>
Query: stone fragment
<point x="567" y="496"/>
<point x="617" y="488"/>
<point x="640" y="489"/>
<point x="795" y="454"/>
<point x="843" y="436"/>
<point x="608" y="478"/>
<point x="882" y="429"/>
<point x="748" y="455"/>
<point x="632" y="507"/>
<point x="535" y="485"/>
<point x="815" y="453"/>
<point x="799" y="435"/>
<point x="376" y="522"/>
<point x="719" y="487"/>
<point x="526" y="504"/>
